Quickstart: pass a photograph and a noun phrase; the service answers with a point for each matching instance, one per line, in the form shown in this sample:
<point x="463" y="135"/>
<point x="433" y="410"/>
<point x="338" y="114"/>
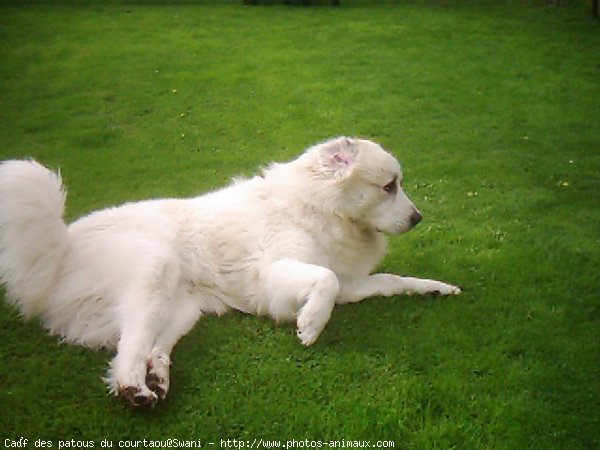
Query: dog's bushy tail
<point x="33" y="235"/>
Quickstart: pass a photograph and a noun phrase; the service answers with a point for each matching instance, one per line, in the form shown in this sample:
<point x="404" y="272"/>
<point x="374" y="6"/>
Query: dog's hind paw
<point x="157" y="373"/>
<point x="156" y="385"/>
<point x="137" y="397"/>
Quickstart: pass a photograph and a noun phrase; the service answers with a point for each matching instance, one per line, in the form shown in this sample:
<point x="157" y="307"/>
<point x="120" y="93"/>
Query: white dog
<point x="290" y="243"/>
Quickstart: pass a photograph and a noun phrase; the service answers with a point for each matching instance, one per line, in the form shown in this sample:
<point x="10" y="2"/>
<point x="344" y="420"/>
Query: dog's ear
<point x="336" y="157"/>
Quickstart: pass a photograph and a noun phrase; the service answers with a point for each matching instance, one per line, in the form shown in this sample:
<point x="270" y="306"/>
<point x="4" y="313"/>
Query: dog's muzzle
<point x="415" y="218"/>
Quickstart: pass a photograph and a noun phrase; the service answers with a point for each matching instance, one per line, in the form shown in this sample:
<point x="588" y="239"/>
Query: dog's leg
<point x="144" y="310"/>
<point x="387" y="285"/>
<point x="293" y="287"/>
<point x="184" y="314"/>
<point x="127" y="374"/>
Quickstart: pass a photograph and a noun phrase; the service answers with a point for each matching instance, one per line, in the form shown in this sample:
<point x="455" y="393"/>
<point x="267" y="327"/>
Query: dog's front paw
<point x="439" y="288"/>
<point x="309" y="327"/>
<point x="308" y="335"/>
<point x="312" y="319"/>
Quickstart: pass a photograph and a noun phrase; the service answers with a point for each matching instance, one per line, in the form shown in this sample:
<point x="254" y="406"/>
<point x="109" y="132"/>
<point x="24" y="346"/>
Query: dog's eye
<point x="391" y="187"/>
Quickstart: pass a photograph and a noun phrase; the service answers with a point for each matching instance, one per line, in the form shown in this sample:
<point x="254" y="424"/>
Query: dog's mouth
<point x="398" y="230"/>
<point x="402" y="227"/>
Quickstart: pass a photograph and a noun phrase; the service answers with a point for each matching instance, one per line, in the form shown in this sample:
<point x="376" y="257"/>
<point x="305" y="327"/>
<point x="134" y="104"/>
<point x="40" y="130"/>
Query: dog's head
<point x="369" y="184"/>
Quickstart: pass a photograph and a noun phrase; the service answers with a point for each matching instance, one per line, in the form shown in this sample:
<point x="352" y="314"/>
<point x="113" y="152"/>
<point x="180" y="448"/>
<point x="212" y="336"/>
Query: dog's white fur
<point x="290" y="243"/>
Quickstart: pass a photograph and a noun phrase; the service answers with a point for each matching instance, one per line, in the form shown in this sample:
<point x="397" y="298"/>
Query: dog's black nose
<point x="415" y="218"/>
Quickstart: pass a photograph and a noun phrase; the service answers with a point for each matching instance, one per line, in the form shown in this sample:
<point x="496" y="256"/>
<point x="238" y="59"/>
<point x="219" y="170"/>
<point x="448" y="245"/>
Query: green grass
<point x="492" y="108"/>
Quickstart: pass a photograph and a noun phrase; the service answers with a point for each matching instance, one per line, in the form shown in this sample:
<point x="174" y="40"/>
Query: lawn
<point x="493" y="109"/>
